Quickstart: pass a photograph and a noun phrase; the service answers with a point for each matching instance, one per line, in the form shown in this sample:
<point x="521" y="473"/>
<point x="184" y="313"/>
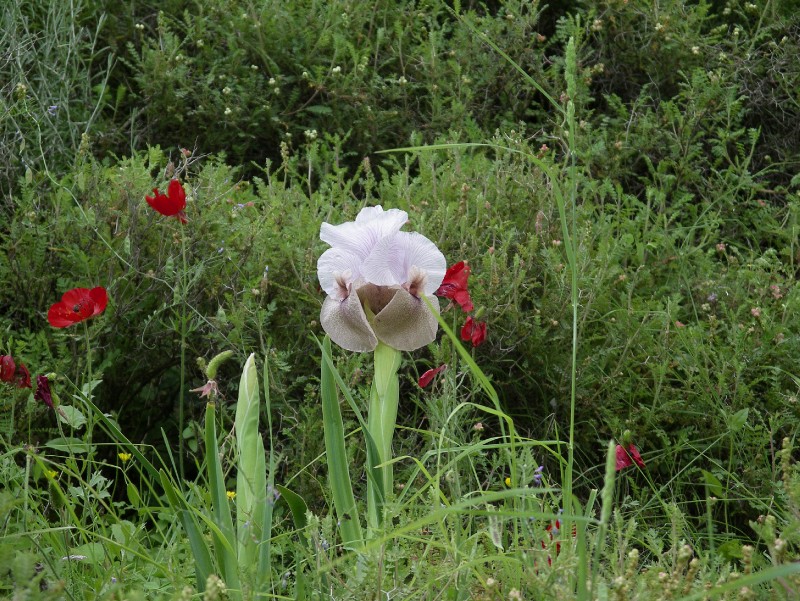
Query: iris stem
<point x="383" y="400"/>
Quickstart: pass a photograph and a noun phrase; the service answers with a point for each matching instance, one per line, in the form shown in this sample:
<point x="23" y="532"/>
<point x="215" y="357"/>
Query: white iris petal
<point x="361" y="235"/>
<point x="332" y="265"/>
<point x="391" y="261"/>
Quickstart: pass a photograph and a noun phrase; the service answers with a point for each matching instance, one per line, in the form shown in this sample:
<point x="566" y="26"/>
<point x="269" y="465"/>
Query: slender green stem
<point x="383" y="401"/>
<point x="182" y="391"/>
<point x="87" y="387"/>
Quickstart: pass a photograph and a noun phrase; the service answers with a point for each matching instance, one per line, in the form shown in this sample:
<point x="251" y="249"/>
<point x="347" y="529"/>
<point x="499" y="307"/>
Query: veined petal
<point x="360" y="236"/>
<point x="347" y="325"/>
<point x="391" y="261"/>
<point x="406" y="323"/>
<point x="393" y="217"/>
<point x="332" y="265"/>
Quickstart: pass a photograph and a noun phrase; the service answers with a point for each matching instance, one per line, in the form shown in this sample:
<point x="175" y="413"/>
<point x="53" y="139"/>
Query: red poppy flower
<point x="474" y="331"/>
<point x="43" y="391"/>
<point x="626" y="457"/>
<point x="76" y="305"/>
<point x="22" y="377"/>
<point x="428" y="376"/>
<point x="7" y="368"/>
<point x="170" y="204"/>
<point x="454" y="286"/>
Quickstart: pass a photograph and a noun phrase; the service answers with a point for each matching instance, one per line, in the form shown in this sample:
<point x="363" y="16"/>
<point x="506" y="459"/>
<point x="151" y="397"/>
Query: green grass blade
<point x="372" y="447"/>
<point x="336" y="453"/>
<point x="203" y="563"/>
<point x="296" y="505"/>
<point x="224" y="542"/>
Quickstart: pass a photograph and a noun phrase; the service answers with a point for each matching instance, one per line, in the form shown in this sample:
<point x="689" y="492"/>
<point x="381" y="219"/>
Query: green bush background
<point x="686" y="214"/>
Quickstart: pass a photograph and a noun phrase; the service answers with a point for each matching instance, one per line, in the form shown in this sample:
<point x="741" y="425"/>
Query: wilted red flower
<point x="76" y="305"/>
<point x="43" y="391"/>
<point x="170" y="204"/>
<point x="474" y="331"/>
<point x="22" y="377"/>
<point x="428" y="376"/>
<point x="454" y="286"/>
<point x="627" y="456"/>
<point x="7" y="368"/>
<point x="12" y="372"/>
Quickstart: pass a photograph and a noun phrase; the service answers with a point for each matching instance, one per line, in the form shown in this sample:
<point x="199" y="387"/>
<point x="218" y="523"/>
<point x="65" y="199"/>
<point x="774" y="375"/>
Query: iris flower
<point x="375" y="277"/>
<point x="170" y="204"/>
<point x="76" y="305"/>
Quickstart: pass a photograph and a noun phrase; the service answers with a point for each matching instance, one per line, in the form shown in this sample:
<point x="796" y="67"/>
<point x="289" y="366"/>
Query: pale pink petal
<point x="391" y="261"/>
<point x="360" y="236"/>
<point x="332" y="265"/>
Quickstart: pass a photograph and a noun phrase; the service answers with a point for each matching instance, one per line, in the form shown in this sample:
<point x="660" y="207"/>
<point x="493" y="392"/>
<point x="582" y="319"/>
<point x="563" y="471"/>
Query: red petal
<point x="7" y="368"/>
<point x="99" y="296"/>
<point x="466" y="330"/>
<point x="428" y="376"/>
<point x="59" y="316"/>
<point x="22" y="376"/>
<point x="627" y="457"/>
<point x="463" y="299"/>
<point x="479" y="333"/>
<point x="177" y="195"/>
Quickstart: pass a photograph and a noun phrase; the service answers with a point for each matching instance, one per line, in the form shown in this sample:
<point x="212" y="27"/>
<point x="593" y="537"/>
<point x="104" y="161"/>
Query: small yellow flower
<point x="231" y="495"/>
<point x="51" y="474"/>
<point x="123" y="457"/>
<point x="508" y="481"/>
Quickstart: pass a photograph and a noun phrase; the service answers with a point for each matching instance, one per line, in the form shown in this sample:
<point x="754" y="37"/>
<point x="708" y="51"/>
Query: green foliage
<point x="684" y="154"/>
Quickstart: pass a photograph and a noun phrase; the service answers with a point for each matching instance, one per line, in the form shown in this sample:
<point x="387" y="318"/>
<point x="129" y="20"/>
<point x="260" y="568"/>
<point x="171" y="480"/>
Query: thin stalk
<point x="182" y="390"/>
<point x="383" y="401"/>
<point x="568" y="229"/>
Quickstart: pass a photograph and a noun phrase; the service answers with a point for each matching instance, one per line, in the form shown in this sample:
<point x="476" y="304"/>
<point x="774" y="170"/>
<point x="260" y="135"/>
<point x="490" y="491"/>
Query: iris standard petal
<point x="360" y="236"/>
<point x="391" y="261"/>
<point x="337" y="261"/>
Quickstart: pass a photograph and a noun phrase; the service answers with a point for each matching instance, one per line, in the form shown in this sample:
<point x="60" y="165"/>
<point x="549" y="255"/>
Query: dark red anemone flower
<point x="76" y="305"/>
<point x="170" y="204"/>
<point x="43" y="391"/>
<point x="22" y="377"/>
<point x="429" y="375"/>
<point x="7" y="368"/>
<point x="474" y="331"/>
<point x="627" y="456"/>
<point x="454" y="286"/>
<point x="12" y="372"/>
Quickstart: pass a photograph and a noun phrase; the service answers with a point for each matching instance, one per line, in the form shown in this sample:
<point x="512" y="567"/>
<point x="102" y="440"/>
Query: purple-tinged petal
<point x="392" y="262"/>
<point x="360" y="236"/>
